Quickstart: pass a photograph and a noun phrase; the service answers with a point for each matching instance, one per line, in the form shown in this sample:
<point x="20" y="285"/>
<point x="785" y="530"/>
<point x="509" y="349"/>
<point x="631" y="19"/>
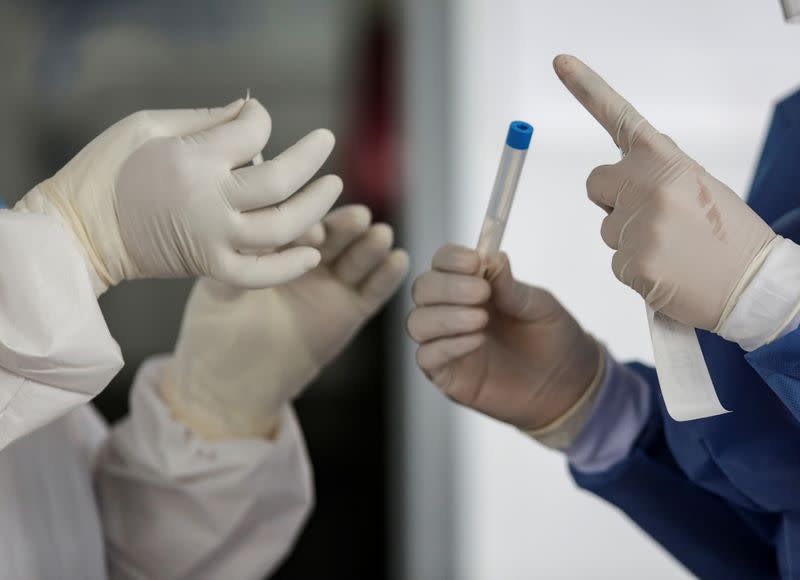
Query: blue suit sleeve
<point x="778" y="364"/>
<point x="706" y="534"/>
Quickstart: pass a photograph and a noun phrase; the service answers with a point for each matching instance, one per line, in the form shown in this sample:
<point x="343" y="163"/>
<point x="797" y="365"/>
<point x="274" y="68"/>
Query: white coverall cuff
<point x="55" y="349"/>
<point x="173" y="440"/>
<point x="175" y="505"/>
<point x="28" y="405"/>
<point x="769" y="307"/>
<point x="36" y="202"/>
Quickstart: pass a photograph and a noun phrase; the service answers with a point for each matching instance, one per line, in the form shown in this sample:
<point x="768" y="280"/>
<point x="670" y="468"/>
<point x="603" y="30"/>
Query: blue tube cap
<point x="2" y="203"/>
<point x="519" y="135"/>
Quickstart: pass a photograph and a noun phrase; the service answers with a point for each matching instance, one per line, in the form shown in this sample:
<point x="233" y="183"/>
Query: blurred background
<point x="419" y="94"/>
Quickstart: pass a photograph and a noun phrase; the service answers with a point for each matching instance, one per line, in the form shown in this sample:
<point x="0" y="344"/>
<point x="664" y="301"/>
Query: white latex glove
<point x="242" y="355"/>
<point x="684" y="241"/>
<point x="170" y="194"/>
<point x="501" y="347"/>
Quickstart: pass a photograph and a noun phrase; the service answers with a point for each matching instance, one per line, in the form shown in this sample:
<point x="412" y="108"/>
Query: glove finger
<point x="262" y="271"/>
<point x="180" y="122"/>
<point x="343" y="226"/>
<point x="434" y="355"/>
<point x="624" y="266"/>
<point x="358" y="260"/>
<point x="237" y="141"/>
<point x="457" y="259"/>
<point x="385" y="280"/>
<point x="265" y="184"/>
<point x="444" y="288"/>
<point x="513" y="298"/>
<point x="604" y="185"/>
<point x="434" y="322"/>
<point x="612" y="228"/>
<point x="314" y="237"/>
<point x="279" y="225"/>
<point x="617" y="116"/>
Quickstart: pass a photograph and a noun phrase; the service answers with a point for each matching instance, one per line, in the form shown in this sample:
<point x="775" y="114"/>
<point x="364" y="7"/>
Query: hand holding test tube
<point x="505" y="186"/>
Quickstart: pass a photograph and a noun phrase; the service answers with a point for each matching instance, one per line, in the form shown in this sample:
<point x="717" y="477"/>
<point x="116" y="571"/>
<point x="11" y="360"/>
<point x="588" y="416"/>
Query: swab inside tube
<point x="505" y="186"/>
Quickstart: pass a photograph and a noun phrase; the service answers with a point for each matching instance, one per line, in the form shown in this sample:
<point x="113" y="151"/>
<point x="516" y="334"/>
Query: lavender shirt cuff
<point x="621" y="411"/>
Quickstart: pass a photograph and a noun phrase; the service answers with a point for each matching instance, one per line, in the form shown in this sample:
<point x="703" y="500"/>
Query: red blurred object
<point x="371" y="160"/>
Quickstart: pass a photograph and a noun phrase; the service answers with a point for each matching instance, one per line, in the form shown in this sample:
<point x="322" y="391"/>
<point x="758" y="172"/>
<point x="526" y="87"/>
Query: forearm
<point x="703" y="531"/>
<point x="176" y="506"/>
<point x="620" y="414"/>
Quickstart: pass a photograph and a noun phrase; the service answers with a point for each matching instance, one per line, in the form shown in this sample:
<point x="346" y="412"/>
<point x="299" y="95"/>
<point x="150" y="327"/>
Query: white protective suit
<point x="146" y="499"/>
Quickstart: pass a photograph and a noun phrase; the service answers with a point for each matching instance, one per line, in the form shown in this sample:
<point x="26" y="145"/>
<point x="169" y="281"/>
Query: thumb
<point x="515" y="299"/>
<point x="181" y="122"/>
<point x="238" y="140"/>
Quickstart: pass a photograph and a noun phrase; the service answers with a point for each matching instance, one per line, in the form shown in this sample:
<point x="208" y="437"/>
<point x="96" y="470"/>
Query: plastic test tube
<point x="505" y="186"/>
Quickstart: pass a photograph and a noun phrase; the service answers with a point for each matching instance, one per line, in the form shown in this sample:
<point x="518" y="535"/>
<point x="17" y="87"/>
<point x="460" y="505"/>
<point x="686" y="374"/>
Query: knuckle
<point x="618" y="265"/>
<point x="606" y="233"/>
<point x="640" y="268"/>
<point x="647" y="267"/>
<point x="592" y="179"/>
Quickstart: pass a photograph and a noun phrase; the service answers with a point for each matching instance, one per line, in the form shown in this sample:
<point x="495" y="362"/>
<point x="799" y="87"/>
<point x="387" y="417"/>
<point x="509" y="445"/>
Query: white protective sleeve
<point x="769" y="307"/>
<point x="56" y="352"/>
<point x="175" y="506"/>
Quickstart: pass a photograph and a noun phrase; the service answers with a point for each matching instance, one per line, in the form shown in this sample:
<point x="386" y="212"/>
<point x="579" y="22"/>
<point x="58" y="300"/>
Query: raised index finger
<point x="614" y="113"/>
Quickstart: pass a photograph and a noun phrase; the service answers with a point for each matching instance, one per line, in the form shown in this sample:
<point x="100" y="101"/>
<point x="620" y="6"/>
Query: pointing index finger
<point x="614" y="113"/>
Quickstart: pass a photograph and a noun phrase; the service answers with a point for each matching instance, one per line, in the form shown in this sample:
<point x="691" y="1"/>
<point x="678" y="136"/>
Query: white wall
<point x="702" y="71"/>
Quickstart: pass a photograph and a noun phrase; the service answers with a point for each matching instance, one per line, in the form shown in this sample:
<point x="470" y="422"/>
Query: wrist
<point x="620" y="414"/>
<point x="36" y="201"/>
<point x="768" y="305"/>
<point x="562" y="431"/>
<point x="211" y="421"/>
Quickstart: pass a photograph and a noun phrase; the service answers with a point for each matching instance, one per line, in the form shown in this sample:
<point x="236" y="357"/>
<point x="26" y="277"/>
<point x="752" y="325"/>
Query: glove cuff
<point x="36" y="201"/>
<point x="561" y="433"/>
<point x="212" y="424"/>
<point x="768" y="304"/>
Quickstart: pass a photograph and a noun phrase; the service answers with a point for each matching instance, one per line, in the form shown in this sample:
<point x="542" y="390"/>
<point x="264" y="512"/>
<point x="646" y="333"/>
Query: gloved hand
<point x="684" y="241"/>
<point x="170" y="194"/>
<point x="242" y="355"/>
<point x="501" y="347"/>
